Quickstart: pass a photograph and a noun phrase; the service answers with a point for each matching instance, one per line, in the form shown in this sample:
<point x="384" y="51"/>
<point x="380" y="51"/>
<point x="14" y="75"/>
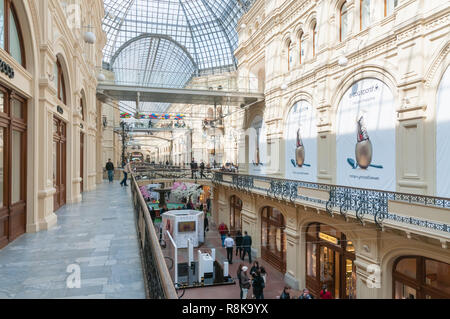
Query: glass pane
<point x="2" y="101"/>
<point x="272" y="238"/>
<point x="2" y="24"/>
<point x="390" y="6"/>
<point x="55" y="75"/>
<point x="278" y="240"/>
<point x="407" y="267"/>
<point x="403" y="291"/>
<point x="14" y="39"/>
<point x="365" y="14"/>
<point x="2" y="169"/>
<point x="16" y="166"/>
<point x="350" y="279"/>
<point x="343" y="24"/>
<point x="311" y="259"/>
<point x="16" y="109"/>
<point x="438" y="275"/>
<point x="263" y="234"/>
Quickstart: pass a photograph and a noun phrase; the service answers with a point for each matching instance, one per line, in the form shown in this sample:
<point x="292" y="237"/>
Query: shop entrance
<point x="59" y="163"/>
<point x="273" y="239"/>
<point x="13" y="151"/>
<point x="235" y="214"/>
<point x="330" y="261"/>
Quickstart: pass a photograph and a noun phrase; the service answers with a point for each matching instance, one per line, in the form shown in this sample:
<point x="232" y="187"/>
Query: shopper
<point x="264" y="274"/>
<point x="202" y="168"/>
<point x="110" y="170"/>
<point x="258" y="285"/>
<point x="229" y="243"/>
<point x="205" y="223"/>
<point x="238" y="275"/>
<point x="245" y="282"/>
<point x="153" y="214"/>
<point x="223" y="230"/>
<point x="126" y="171"/>
<point x="306" y="294"/>
<point x="255" y="268"/>
<point x="285" y="294"/>
<point x="239" y="243"/>
<point x="194" y="167"/>
<point x="325" y="294"/>
<point x="247" y="246"/>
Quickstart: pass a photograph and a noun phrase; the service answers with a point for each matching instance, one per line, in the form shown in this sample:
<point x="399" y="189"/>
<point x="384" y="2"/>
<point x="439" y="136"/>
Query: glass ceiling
<point x="164" y="43"/>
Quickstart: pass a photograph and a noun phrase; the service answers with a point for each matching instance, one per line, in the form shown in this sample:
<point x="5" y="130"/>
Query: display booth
<point x="184" y="225"/>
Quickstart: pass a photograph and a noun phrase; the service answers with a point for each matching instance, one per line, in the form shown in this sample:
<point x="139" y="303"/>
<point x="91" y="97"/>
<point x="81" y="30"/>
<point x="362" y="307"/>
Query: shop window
<point x="365" y="14"/>
<point x="61" y="86"/>
<point x="416" y="277"/>
<point x="235" y="213"/>
<point x="289" y="55"/>
<point x="344" y="22"/>
<point x="315" y="38"/>
<point x="300" y="48"/>
<point x="389" y="7"/>
<point x="10" y="33"/>
<point x="273" y="239"/>
<point x="82" y="109"/>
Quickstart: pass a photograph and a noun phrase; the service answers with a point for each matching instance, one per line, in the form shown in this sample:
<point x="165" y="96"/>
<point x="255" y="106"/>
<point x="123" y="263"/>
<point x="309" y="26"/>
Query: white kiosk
<point x="184" y="225"/>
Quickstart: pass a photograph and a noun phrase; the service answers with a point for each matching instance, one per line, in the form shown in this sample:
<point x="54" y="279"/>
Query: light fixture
<point x="101" y="77"/>
<point x="89" y="37"/>
<point x="343" y="61"/>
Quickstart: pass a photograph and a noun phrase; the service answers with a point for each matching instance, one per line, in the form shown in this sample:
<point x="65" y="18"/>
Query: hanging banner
<point x="365" y="137"/>
<point x="442" y="137"/>
<point x="301" y="143"/>
<point x="257" y="147"/>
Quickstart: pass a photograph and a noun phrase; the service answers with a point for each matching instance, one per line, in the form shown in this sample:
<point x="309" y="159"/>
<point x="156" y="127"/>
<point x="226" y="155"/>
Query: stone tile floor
<point x="98" y="235"/>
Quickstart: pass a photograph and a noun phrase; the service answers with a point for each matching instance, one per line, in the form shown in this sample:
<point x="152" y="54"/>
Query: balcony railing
<point x="157" y="277"/>
<point x="149" y="172"/>
<point x="363" y="202"/>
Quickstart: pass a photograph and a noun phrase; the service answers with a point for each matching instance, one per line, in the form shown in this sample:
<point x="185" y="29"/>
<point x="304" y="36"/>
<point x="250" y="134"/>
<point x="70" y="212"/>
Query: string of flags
<point x="153" y="116"/>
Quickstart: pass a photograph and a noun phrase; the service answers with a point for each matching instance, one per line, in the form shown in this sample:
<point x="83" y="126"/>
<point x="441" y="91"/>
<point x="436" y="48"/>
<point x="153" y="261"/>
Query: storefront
<point x="59" y="163"/>
<point x="235" y="214"/>
<point x="416" y="277"/>
<point x="273" y="239"/>
<point x="330" y="261"/>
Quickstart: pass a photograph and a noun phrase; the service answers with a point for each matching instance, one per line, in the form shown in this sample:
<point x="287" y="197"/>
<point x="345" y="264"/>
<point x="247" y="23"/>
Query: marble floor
<point x="95" y="241"/>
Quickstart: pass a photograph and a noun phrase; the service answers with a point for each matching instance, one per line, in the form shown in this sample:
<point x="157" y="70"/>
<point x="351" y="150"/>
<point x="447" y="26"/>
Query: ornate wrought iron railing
<point x="157" y="277"/>
<point x="363" y="202"/>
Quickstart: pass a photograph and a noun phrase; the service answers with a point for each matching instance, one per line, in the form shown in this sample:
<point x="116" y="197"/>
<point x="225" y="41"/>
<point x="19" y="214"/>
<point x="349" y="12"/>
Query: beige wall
<point x="48" y="34"/>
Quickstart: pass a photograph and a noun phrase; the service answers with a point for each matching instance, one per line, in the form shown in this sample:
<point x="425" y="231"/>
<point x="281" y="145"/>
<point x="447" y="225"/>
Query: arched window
<point x="416" y="277"/>
<point x="82" y="108"/>
<point x="61" y="86"/>
<point x="289" y="54"/>
<point x="389" y="6"/>
<point x="10" y="33"/>
<point x="364" y="13"/>
<point x="300" y="48"/>
<point x="315" y="38"/>
<point x="344" y="22"/>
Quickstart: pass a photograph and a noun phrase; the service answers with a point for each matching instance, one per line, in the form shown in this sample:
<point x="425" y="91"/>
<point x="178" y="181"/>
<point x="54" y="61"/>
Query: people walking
<point x="245" y="282"/>
<point x="205" y="223"/>
<point x="238" y="275"/>
<point x="325" y="294"/>
<point x="223" y="230"/>
<point x="285" y="294"/>
<point x="247" y="246"/>
<point x="194" y="167"/>
<point x="305" y="294"/>
<point x="258" y="285"/>
<point x="110" y="170"/>
<point x="202" y="169"/>
<point x="239" y="243"/>
<point x="126" y="171"/>
<point x="229" y="243"/>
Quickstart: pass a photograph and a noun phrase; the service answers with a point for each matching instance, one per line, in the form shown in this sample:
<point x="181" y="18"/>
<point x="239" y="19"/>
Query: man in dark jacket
<point x="110" y="170"/>
<point x="258" y="285"/>
<point x="247" y="246"/>
<point x="194" y="167"/>
<point x="239" y="243"/>
<point x="202" y="168"/>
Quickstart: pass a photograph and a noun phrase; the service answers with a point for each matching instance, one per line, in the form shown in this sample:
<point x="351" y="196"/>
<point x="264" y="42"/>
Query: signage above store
<point x="329" y="238"/>
<point x="6" y="69"/>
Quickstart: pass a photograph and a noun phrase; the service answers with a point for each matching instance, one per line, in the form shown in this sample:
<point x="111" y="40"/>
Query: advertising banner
<point x="443" y="137"/>
<point x="301" y="143"/>
<point x="257" y="147"/>
<point x="365" y="136"/>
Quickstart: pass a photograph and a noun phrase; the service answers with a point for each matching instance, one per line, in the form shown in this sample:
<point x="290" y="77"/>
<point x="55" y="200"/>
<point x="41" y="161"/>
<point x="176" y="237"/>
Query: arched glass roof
<point x="166" y="42"/>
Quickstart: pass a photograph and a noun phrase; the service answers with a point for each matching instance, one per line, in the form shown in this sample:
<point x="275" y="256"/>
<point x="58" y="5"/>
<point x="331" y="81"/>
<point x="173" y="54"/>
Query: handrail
<point x="361" y="201"/>
<point x="152" y="250"/>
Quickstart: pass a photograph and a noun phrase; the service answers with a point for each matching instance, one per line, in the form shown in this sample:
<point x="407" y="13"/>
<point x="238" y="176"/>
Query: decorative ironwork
<point x="361" y="201"/>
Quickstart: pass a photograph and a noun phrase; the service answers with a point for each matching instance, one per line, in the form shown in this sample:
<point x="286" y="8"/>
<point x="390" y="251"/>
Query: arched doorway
<point x="235" y="214"/>
<point x="273" y="239"/>
<point x="330" y="261"/>
<point x="417" y="277"/>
